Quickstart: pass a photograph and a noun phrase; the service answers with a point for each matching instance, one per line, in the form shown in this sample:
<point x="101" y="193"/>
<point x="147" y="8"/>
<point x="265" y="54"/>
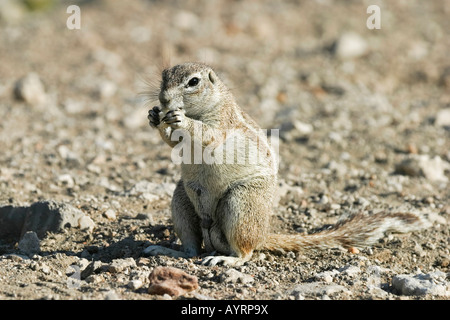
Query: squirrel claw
<point x="223" y="260"/>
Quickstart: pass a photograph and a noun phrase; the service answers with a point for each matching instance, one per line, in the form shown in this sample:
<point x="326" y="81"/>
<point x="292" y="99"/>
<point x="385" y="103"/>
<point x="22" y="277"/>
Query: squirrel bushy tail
<point x="357" y="231"/>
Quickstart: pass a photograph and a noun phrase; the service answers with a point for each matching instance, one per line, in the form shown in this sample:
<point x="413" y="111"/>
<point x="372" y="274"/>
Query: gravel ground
<point x="365" y="126"/>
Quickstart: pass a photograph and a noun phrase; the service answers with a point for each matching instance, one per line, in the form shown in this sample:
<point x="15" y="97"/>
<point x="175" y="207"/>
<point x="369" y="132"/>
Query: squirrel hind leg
<point x="244" y="219"/>
<point x="186" y="222"/>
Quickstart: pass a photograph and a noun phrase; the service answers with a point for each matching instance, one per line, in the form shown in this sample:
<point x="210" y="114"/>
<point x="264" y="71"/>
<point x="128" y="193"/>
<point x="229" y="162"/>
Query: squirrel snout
<point x="169" y="103"/>
<point x="164" y="99"/>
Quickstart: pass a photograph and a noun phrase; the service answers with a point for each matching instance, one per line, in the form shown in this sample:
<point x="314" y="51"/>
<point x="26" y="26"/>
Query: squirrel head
<point x="192" y="87"/>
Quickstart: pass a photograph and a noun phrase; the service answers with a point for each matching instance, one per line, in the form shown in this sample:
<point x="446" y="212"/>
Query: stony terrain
<point x="365" y="126"/>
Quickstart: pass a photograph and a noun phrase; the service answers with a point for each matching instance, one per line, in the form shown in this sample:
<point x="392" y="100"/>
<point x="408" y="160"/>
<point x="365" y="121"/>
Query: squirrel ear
<point x="212" y="77"/>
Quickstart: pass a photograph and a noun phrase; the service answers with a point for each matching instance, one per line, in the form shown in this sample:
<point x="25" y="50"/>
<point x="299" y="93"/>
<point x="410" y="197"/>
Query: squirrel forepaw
<point x="154" y="116"/>
<point x="174" y="118"/>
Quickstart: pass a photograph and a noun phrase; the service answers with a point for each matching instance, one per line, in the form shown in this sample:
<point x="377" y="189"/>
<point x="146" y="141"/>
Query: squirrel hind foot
<point x="223" y="260"/>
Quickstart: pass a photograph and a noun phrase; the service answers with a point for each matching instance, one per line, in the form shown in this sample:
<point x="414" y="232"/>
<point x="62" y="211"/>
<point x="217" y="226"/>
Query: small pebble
<point x="353" y="250"/>
<point x="30" y="89"/>
<point x="110" y="214"/>
<point x="135" y="284"/>
<point x="85" y="223"/>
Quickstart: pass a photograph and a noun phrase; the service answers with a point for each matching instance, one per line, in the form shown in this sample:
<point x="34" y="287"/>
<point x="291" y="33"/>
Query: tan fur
<point x="226" y="207"/>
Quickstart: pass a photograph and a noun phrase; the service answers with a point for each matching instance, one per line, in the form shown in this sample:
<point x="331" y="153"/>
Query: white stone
<point x="421" y="284"/>
<point x="351" y="45"/>
<point x="443" y="118"/>
<point x="422" y="165"/>
<point x="30" y="89"/>
<point x="105" y="89"/>
<point x="86" y="223"/>
<point x="66" y="180"/>
<point x="119" y="265"/>
<point x="350" y="270"/>
<point x="110" y="214"/>
<point x="135" y="284"/>
<point x="326" y="276"/>
<point x="233" y="276"/>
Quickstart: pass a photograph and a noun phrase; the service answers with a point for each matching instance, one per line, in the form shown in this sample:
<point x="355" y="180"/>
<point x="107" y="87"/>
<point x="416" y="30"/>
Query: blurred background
<point x="346" y="97"/>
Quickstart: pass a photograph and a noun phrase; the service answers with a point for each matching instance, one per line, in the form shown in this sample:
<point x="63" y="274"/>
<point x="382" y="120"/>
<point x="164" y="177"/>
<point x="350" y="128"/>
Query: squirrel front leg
<point x="158" y="121"/>
<point x="176" y="119"/>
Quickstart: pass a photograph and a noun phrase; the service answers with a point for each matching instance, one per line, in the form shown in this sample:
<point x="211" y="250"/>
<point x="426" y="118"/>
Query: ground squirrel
<point x="225" y="205"/>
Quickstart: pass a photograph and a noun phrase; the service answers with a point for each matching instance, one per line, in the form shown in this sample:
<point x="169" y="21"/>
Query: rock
<point x="337" y="167"/>
<point x="317" y="289"/>
<point x="91" y="268"/>
<point x="171" y="281"/>
<point x="418" y="50"/>
<point x="51" y="216"/>
<point x="134" y="284"/>
<point x="415" y="165"/>
<point x="110" y="214"/>
<point x="30" y="89"/>
<point x="350" y="270"/>
<point x="73" y="106"/>
<point x="353" y="250"/>
<point x="326" y="276"/>
<point x="293" y="130"/>
<point x="443" y="118"/>
<point x="68" y="155"/>
<point x="29" y="244"/>
<point x="94" y="168"/>
<point x="11" y="221"/>
<point x="66" y="180"/>
<point x="40" y="217"/>
<point x="85" y="223"/>
<point x="323" y="200"/>
<point x="422" y="284"/>
<point x="374" y="276"/>
<point x="44" y="268"/>
<point x="119" y="265"/>
<point x="350" y="45"/>
<point x="234" y="276"/>
<point x="105" y="90"/>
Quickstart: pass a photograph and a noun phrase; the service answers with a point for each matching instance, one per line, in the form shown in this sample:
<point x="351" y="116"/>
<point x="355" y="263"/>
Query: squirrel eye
<point x="193" y="82"/>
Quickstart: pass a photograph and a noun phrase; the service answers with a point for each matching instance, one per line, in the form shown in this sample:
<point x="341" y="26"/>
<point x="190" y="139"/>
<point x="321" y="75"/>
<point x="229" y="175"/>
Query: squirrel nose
<point x="164" y="98"/>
